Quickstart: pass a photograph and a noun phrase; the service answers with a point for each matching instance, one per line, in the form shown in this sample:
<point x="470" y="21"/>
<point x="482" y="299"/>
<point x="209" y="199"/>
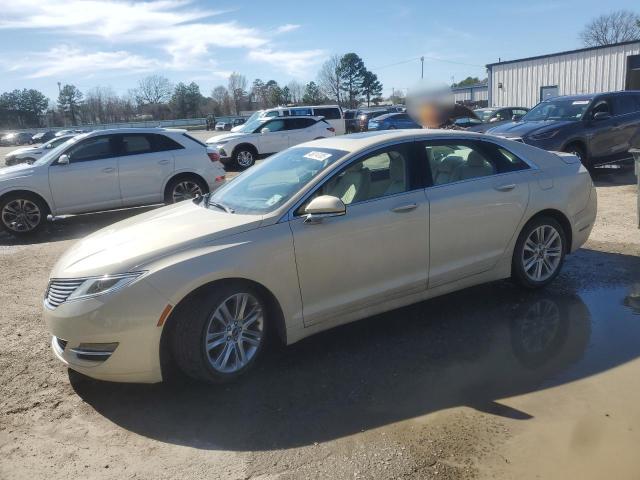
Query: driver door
<point x="89" y="182"/>
<point x="276" y="139"/>
<point x="377" y="251"/>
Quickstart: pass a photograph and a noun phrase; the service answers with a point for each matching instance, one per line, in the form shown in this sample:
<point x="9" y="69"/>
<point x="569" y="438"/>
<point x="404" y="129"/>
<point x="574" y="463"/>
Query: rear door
<point x="478" y="196"/>
<point x="300" y="130"/>
<point x="145" y="163"/>
<point x="603" y="134"/>
<point x="626" y="111"/>
<point x="89" y="182"/>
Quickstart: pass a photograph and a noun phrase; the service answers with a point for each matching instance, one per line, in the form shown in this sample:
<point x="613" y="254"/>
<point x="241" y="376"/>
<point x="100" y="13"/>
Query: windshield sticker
<point x="273" y="200"/>
<point x="320" y="156"/>
<point x="580" y="102"/>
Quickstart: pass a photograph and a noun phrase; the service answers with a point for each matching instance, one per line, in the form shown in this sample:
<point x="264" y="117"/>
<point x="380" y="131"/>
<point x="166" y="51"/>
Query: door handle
<point x="109" y="170"/>
<point x="163" y="162"/>
<point x="405" y="208"/>
<point x="506" y="188"/>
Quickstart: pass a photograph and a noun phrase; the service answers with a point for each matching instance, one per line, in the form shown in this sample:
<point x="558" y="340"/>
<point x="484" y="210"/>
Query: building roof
<point x="567" y="52"/>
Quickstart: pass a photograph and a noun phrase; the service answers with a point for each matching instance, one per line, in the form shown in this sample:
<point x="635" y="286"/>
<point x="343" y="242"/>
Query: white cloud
<point x="188" y="35"/>
<point x="287" y="27"/>
<point x="294" y="63"/>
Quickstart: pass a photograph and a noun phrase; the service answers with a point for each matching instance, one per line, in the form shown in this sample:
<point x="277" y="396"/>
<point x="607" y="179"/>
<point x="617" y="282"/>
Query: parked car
<point x="222" y="126"/>
<point x="104" y="170"/>
<point x="331" y="113"/>
<point x="350" y="120"/>
<point x="318" y="235"/>
<point x="391" y="121"/>
<point x="266" y="135"/>
<point x="363" y="117"/>
<point x="70" y="131"/>
<point x="598" y="128"/>
<point x="230" y="124"/>
<point x="491" y="117"/>
<point x="19" y="138"/>
<point x="42" y="137"/>
<point x="31" y="154"/>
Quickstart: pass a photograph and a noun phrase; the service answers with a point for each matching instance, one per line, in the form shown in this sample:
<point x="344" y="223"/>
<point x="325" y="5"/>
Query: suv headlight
<point x="544" y="135"/>
<point x="93" y="286"/>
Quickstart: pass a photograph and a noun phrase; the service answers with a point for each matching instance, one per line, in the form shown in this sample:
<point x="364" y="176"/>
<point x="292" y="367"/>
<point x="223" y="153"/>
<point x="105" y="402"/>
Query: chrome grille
<point x="59" y="290"/>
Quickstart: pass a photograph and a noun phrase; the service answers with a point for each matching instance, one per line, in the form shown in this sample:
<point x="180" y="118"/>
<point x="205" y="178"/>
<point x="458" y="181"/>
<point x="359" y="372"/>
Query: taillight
<point x="213" y="156"/>
<point x="331" y="129"/>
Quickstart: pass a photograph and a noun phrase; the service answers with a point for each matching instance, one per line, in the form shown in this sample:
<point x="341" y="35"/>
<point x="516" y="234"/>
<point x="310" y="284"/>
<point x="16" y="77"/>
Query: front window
<point x="57" y="151"/>
<point x="252" y="125"/>
<point x="558" y="109"/>
<point x="484" y="114"/>
<point x="268" y="185"/>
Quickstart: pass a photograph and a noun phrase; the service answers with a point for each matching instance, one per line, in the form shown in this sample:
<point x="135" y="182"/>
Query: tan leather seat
<point x="444" y="171"/>
<point x="352" y="186"/>
<point x="475" y="166"/>
<point x="397" y="174"/>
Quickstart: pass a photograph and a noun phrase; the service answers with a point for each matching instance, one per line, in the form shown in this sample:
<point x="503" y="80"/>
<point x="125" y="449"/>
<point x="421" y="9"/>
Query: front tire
<point x="579" y="151"/>
<point x="220" y="333"/>
<point x="244" y="157"/>
<point x="539" y="253"/>
<point x="22" y="214"/>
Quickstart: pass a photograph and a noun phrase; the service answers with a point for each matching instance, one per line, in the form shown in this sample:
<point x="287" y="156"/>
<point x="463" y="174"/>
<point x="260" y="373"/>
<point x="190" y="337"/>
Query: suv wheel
<point x="244" y="157"/>
<point x="184" y="188"/>
<point x="578" y="151"/>
<point x="22" y="214"/>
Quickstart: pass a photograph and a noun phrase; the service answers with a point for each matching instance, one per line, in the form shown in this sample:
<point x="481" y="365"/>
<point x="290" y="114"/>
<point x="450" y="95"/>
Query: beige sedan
<point x="318" y="235"/>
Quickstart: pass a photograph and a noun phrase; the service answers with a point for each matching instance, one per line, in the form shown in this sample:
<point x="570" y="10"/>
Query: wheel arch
<point x="181" y="175"/>
<point x="167" y="362"/>
<point x="581" y="142"/>
<point x="247" y="145"/>
<point x="561" y="218"/>
<point x="27" y="191"/>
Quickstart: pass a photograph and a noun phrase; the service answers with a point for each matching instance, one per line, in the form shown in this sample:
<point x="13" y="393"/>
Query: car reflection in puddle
<point x="469" y="348"/>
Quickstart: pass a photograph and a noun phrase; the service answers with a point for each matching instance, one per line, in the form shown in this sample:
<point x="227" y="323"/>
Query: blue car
<point x="392" y="121"/>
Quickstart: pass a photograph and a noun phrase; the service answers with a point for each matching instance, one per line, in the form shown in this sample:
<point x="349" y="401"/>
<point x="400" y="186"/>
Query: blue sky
<point x="113" y="43"/>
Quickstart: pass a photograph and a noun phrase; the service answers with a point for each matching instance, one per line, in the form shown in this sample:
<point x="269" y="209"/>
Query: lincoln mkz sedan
<point x="318" y="235"/>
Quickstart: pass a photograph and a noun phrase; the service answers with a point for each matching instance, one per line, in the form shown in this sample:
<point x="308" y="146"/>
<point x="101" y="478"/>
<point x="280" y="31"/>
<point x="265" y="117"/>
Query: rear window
<point x="328" y="113"/>
<point x="194" y="139"/>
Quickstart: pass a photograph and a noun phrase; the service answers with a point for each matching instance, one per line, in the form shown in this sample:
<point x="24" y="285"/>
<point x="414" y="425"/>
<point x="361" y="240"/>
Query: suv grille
<point x="59" y="290"/>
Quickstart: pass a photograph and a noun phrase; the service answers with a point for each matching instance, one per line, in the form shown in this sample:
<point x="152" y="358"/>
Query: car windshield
<point x="57" y="151"/>
<point x="251" y="125"/>
<point x="268" y="185"/>
<point x="558" y="109"/>
<point x="484" y="114"/>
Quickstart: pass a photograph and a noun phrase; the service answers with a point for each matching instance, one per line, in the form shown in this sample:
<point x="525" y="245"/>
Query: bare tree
<point x="329" y="78"/>
<point x="296" y="90"/>
<point x="153" y="90"/>
<point x="220" y="96"/>
<point x="614" y="27"/>
<point x="237" y="89"/>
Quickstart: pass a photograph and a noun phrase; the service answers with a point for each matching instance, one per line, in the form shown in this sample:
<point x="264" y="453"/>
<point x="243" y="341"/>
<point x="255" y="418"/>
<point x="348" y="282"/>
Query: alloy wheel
<point x="541" y="253"/>
<point x="245" y="158"/>
<point x="186" y="190"/>
<point x="234" y="333"/>
<point x="21" y="215"/>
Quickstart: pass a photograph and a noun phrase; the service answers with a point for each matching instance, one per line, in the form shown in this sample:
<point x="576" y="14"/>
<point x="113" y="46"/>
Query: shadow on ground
<point x="468" y="348"/>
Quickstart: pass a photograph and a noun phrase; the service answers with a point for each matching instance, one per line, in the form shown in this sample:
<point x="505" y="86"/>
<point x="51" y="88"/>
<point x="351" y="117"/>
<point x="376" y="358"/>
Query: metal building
<point x="476" y="95"/>
<point x="527" y="81"/>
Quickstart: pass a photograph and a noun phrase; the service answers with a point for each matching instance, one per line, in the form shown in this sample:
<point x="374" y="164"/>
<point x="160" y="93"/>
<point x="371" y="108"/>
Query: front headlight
<point x="544" y="135"/>
<point x="93" y="286"/>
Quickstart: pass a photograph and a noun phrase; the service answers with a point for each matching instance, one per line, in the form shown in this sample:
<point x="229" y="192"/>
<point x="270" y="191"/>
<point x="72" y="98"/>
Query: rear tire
<point x="184" y="188"/>
<point x="219" y="333"/>
<point x="22" y="214"/>
<point x="539" y="253"/>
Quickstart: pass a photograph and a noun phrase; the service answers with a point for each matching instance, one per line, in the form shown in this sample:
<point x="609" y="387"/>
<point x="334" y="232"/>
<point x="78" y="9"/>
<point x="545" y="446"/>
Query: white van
<point x="331" y="113"/>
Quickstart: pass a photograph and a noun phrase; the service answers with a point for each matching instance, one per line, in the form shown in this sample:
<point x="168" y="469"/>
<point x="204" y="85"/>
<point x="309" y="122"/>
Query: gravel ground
<point x="421" y="400"/>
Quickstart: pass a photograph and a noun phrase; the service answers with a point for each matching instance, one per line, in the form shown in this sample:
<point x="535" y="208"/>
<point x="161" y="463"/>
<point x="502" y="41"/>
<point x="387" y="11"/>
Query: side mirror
<point x="324" y="206"/>
<point x="264" y="130"/>
<point x="516" y="118"/>
<point x="598" y="116"/>
<point x="63" y="159"/>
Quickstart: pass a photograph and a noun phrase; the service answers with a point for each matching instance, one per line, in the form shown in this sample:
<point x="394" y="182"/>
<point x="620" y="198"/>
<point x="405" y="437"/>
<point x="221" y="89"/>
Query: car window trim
<point x="112" y="138"/>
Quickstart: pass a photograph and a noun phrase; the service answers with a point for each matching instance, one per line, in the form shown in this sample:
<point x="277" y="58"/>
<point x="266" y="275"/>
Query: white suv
<point x="264" y="136"/>
<point x="331" y="113"/>
<point x="104" y="170"/>
<point x="32" y="153"/>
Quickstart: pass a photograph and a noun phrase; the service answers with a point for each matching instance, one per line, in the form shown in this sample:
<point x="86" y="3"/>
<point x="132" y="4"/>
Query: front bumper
<point x="127" y="317"/>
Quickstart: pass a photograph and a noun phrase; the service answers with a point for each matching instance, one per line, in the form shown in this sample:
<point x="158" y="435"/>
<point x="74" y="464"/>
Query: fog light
<point x="96" y="352"/>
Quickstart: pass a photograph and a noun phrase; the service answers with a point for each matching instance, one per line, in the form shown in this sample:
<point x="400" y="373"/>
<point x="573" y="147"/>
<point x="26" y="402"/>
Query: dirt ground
<point x="490" y="382"/>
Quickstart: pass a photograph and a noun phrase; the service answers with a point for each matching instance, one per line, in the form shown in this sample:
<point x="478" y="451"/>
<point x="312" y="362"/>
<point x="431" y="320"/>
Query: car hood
<point x="227" y="137"/>
<point x="16" y="171"/>
<point x="521" y="129"/>
<point x="19" y="151"/>
<point x="132" y="243"/>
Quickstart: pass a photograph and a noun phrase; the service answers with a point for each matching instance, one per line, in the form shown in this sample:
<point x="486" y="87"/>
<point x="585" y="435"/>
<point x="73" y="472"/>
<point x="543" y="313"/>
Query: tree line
<point x="343" y="79"/>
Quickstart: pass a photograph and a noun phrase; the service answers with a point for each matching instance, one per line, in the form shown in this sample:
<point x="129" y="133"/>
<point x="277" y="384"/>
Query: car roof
<point x="111" y="131"/>
<point x="389" y="115"/>
<point x="358" y="141"/>
<point x="581" y="96"/>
